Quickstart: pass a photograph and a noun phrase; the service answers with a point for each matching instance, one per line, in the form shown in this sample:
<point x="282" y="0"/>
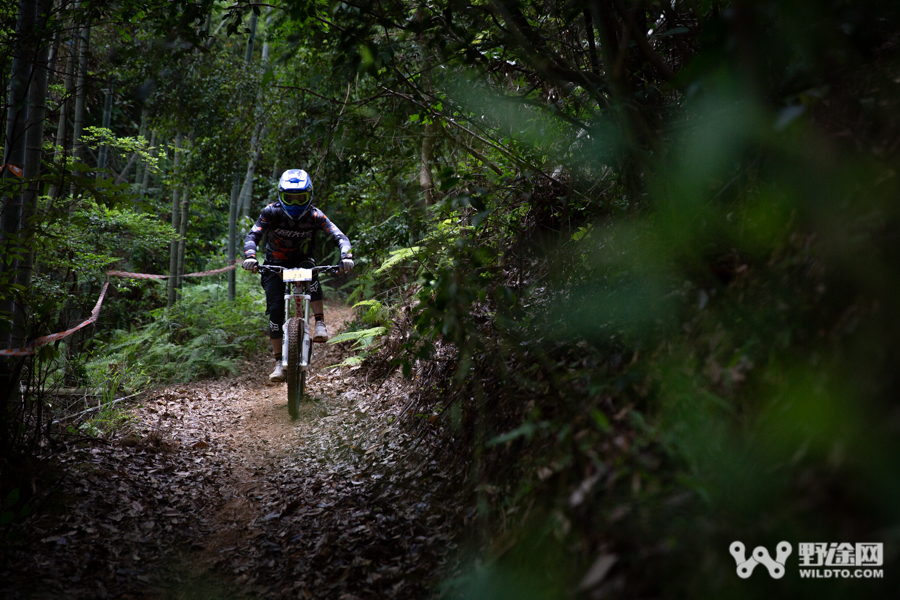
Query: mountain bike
<point x="296" y="348"/>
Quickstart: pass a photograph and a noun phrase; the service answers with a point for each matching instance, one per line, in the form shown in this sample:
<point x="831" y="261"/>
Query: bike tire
<point x="296" y="379"/>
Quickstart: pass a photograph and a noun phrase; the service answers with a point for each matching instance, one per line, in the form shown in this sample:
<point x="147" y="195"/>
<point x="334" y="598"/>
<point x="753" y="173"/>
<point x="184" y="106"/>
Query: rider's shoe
<point x="321" y="333"/>
<point x="278" y="374"/>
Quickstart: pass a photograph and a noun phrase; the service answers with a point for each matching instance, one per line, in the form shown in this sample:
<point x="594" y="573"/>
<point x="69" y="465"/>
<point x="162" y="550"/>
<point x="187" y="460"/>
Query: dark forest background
<point x="641" y="256"/>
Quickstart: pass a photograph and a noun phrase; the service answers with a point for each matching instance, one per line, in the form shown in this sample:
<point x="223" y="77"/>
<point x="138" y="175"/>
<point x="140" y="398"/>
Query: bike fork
<point x="284" y="332"/>
<point x="307" y="340"/>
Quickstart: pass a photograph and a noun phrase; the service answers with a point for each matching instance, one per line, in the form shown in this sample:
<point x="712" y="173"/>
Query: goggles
<point x="296" y="198"/>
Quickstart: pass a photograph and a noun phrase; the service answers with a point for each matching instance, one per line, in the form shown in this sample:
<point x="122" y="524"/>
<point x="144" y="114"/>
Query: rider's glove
<point x="346" y="265"/>
<point x="251" y="264"/>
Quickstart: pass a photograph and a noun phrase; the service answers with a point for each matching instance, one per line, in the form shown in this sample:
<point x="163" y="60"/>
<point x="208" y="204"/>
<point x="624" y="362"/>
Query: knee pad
<point x="315" y="291"/>
<point x="275" y="332"/>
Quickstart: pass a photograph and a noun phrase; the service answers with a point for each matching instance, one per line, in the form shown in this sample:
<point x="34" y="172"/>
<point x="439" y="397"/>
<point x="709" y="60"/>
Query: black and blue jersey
<point x="290" y="240"/>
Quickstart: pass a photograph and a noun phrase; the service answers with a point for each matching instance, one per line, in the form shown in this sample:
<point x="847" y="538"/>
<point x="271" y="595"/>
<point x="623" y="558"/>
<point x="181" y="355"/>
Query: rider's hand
<point x="251" y="264"/>
<point x="346" y="265"/>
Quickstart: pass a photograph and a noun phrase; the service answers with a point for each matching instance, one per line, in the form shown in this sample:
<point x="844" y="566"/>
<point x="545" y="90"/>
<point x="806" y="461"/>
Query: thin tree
<point x="78" y="148"/>
<point x="182" y="236"/>
<point x="65" y="112"/>
<point x="176" y="225"/>
<point x="14" y="155"/>
<point x="142" y="131"/>
<point x="107" y="119"/>
<point x="426" y="177"/>
<point x="27" y="84"/>
<point x="232" y="232"/>
<point x="34" y="141"/>
<point x="247" y="188"/>
<point x="154" y="151"/>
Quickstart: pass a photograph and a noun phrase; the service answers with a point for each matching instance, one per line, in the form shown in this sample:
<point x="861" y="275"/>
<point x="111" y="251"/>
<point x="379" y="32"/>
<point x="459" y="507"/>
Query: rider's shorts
<point x="275" y="287"/>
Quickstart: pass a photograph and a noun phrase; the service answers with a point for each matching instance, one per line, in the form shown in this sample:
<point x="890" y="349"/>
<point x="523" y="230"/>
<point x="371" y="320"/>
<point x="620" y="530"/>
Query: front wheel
<point x="296" y="378"/>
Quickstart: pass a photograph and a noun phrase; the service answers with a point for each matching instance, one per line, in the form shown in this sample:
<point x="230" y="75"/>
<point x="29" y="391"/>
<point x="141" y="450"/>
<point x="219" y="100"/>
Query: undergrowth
<point x="203" y="335"/>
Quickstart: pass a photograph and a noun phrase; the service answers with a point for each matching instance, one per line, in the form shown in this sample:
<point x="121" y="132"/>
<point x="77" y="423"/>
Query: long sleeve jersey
<point x="289" y="239"/>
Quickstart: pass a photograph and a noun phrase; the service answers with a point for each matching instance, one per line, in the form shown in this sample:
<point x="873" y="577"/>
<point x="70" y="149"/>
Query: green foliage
<point x="94" y="237"/>
<point x="10" y="509"/>
<point x="363" y="339"/>
<point x="659" y="251"/>
<point x="396" y="257"/>
<point x="203" y="335"/>
<point x="95" y="137"/>
<point x="109" y="415"/>
<point x="376" y="313"/>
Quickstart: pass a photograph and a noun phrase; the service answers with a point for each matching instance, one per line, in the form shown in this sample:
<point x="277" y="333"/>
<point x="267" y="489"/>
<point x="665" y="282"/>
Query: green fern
<point x="200" y="336"/>
<point x="350" y="361"/>
<point x="363" y="337"/>
<point x="378" y="314"/>
<point x="396" y="257"/>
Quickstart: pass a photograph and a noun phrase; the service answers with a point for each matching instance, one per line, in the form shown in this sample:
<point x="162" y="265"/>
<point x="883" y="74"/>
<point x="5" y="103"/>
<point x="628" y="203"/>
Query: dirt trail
<point x="212" y="491"/>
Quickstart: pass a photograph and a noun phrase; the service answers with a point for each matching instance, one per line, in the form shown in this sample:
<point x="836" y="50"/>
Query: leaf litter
<point x="212" y="491"/>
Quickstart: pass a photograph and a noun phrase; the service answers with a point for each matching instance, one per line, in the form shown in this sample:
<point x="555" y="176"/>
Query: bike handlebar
<point x="277" y="268"/>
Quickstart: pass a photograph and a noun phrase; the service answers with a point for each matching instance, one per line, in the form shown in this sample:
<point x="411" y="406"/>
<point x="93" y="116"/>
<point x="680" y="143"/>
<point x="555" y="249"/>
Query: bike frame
<point x="299" y="295"/>
<point x="297" y="353"/>
<point x="299" y="280"/>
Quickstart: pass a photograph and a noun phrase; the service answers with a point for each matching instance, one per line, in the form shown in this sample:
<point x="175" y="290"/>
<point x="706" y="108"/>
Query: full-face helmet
<point x="295" y="191"/>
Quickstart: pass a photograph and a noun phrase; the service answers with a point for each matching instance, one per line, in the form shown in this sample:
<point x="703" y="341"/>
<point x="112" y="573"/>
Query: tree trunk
<point x="264" y="58"/>
<point x="258" y="127"/>
<point x="14" y="155"/>
<point x="34" y="141"/>
<point x="62" y="127"/>
<point x="182" y="235"/>
<point x="107" y="117"/>
<point x="273" y="191"/>
<point x="426" y="179"/>
<point x="247" y="188"/>
<point x="145" y="182"/>
<point x="232" y="233"/>
<point x="78" y="149"/>
<point x="592" y="44"/>
<point x="251" y="39"/>
<point x="123" y="176"/>
<point x="28" y="68"/>
<point x="142" y="132"/>
<point x="176" y="225"/>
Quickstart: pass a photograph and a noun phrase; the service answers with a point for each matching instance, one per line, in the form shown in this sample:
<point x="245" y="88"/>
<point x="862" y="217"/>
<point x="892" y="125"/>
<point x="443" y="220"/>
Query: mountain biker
<point x="291" y="224"/>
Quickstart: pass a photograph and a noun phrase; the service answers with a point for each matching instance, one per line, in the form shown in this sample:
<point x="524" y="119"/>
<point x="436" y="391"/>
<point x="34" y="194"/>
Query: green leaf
<point x="358" y="335"/>
<point x="396" y="257"/>
<point x="348" y="362"/>
<point x="526" y="429"/>
<point x="601" y="420"/>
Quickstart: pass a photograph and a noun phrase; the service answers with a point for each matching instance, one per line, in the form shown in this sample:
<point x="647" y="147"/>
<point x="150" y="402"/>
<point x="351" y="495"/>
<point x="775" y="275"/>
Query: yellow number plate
<point x="297" y="274"/>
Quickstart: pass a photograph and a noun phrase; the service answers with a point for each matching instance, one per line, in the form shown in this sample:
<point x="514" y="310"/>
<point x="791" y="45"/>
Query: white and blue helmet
<point x="295" y="191"/>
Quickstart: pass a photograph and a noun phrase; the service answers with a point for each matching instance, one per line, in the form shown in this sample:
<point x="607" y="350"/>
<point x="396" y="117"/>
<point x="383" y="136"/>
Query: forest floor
<point x="209" y="490"/>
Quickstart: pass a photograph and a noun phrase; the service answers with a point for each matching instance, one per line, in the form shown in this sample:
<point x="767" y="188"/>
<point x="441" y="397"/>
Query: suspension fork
<point x="299" y="299"/>
<point x="306" y="342"/>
